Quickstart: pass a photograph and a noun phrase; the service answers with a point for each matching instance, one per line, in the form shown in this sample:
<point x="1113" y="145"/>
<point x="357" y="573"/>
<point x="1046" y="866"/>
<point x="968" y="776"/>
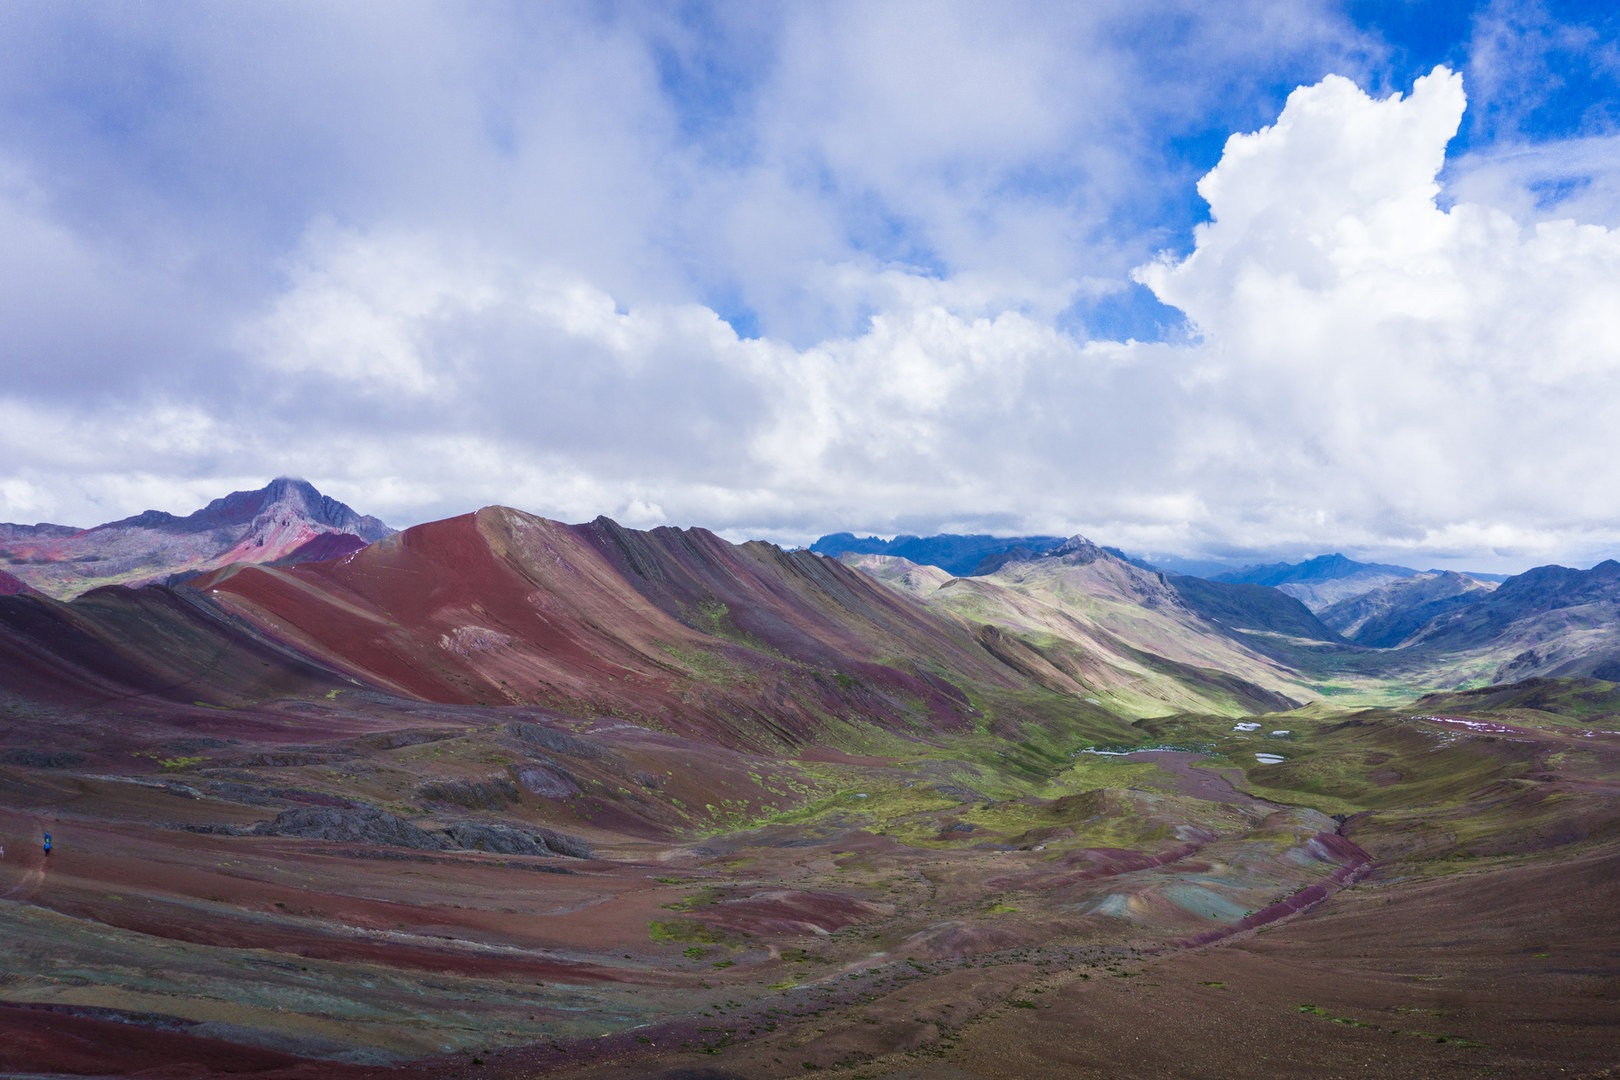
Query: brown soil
<point x="982" y="938"/>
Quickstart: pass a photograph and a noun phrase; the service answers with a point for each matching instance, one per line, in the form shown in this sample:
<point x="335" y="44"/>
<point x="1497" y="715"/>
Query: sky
<point x="1242" y="282"/>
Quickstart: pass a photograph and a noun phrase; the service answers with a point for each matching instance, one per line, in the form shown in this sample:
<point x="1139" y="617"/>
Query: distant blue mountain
<point x="1236" y="606"/>
<point x="1245" y="606"/>
<point x="1311" y="571"/>
<point x="964" y="556"/>
<point x="1475" y="574"/>
<point x="1176" y="564"/>
<point x="1516" y="612"/>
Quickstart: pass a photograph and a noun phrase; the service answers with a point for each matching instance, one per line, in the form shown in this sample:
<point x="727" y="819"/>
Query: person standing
<point x="47" y="843"/>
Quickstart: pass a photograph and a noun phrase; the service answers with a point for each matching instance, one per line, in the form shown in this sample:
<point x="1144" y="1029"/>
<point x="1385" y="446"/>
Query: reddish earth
<point x="1517" y="958"/>
<point x="1508" y="972"/>
<point x="807" y="826"/>
<point x="746" y="645"/>
<point x="322" y="547"/>
<point x="62" y="1040"/>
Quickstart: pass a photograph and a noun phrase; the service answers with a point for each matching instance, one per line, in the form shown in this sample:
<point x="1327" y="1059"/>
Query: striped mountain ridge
<point x="740" y="645"/>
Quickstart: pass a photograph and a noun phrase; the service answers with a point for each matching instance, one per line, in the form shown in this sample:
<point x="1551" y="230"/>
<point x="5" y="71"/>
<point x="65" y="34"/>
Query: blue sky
<point x="1237" y="281"/>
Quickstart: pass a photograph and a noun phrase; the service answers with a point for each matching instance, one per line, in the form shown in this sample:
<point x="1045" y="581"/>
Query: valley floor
<point x="1399" y="895"/>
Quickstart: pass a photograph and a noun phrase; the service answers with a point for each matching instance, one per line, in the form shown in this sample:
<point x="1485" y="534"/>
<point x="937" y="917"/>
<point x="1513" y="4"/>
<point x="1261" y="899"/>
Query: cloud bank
<point x="1366" y="362"/>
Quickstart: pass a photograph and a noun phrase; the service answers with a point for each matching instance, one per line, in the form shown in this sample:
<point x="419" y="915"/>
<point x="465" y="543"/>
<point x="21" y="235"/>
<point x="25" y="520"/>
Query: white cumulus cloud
<point x="1405" y="369"/>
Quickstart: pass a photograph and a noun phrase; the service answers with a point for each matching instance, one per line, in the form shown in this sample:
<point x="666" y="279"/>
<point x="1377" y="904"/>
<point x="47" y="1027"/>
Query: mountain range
<point x="505" y="796"/>
<point x="286" y="521"/>
<point x="1441" y="626"/>
<point x="1328" y="580"/>
<point x="1080" y="620"/>
<point x="1067" y="615"/>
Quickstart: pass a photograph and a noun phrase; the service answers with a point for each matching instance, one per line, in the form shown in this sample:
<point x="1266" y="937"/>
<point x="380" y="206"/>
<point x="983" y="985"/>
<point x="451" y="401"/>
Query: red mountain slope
<point x="124" y="645"/>
<point x="745" y="644"/>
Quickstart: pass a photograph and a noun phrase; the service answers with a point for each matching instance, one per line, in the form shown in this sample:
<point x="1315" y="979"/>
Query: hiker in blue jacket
<point x="47" y="843"/>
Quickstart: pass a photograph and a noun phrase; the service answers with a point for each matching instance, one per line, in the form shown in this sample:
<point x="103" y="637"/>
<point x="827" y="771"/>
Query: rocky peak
<point x="278" y="502"/>
<point x="279" y="521"/>
<point x="1078" y="551"/>
<point x="285" y="495"/>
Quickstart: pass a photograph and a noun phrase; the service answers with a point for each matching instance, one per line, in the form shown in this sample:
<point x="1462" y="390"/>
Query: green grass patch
<point x="708" y="665"/>
<point x="683" y="930"/>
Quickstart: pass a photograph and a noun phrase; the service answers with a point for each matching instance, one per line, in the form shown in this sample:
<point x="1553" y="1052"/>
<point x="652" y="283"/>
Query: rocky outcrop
<point x="559" y="742"/>
<point x="42" y="759"/>
<point x="488" y="794"/>
<point x="548" y="783"/>
<point x="361" y="826"/>
<point x="506" y="840"/>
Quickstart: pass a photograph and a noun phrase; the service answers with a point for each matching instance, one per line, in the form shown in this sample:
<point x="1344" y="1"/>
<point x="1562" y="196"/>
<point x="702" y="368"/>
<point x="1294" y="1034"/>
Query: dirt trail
<point x="24" y="853"/>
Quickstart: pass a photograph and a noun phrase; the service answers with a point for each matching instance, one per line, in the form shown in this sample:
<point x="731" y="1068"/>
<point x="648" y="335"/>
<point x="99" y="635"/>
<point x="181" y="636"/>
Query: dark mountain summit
<point x="270" y="524"/>
<point x="1321" y="582"/>
<point x="245" y="507"/>
<point x="1078" y="551"/>
<point x="1559" y="586"/>
<point x="1540" y="607"/>
<point x="1333" y="567"/>
<point x="964" y="556"/>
